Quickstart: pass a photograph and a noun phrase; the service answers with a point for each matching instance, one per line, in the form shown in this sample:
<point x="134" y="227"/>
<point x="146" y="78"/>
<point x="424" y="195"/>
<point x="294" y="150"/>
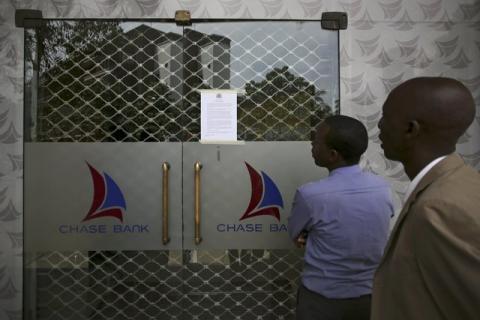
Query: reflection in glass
<point x="105" y="81"/>
<point x="125" y="81"/>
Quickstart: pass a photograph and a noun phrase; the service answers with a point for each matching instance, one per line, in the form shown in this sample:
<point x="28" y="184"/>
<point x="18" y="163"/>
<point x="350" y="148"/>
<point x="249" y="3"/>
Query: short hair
<point x="348" y="136"/>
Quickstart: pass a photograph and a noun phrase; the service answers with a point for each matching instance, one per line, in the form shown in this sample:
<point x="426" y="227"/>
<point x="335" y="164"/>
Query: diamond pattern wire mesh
<point x="111" y="81"/>
<point x="105" y="81"/>
<point x="235" y="284"/>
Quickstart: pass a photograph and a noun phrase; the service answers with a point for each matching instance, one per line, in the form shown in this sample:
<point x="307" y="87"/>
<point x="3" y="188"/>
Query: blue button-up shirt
<point x="346" y="216"/>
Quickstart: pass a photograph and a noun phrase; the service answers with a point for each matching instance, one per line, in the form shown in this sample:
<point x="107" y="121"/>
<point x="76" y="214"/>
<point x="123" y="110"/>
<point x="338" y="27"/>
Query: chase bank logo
<point x="108" y="200"/>
<point x="265" y="198"/>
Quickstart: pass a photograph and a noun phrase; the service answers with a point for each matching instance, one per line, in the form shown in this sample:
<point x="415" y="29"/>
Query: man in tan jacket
<point x="431" y="265"/>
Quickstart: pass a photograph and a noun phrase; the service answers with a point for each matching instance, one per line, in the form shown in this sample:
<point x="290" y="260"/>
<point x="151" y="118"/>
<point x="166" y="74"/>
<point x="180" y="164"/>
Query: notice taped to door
<point x="218" y="116"/>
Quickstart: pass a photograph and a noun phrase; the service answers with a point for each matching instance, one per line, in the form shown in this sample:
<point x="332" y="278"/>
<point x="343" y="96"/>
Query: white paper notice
<point x="219" y="115"/>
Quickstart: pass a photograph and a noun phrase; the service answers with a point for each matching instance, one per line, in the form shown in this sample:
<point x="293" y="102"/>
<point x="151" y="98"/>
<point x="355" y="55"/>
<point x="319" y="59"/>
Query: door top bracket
<point x="27" y="18"/>
<point x="334" y="20"/>
<point x="183" y="18"/>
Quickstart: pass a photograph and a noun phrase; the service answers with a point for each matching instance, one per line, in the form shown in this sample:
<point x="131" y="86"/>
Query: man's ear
<point x="335" y="155"/>
<point x="413" y="129"/>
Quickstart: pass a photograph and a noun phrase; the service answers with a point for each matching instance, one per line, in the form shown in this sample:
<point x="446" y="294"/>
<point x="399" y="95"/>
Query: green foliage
<point x="98" y="83"/>
<point x="282" y="106"/>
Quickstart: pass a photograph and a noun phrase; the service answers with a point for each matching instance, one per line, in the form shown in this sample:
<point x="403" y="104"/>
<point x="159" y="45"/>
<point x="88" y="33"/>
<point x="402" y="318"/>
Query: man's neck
<point x="415" y="165"/>
<point x="340" y="165"/>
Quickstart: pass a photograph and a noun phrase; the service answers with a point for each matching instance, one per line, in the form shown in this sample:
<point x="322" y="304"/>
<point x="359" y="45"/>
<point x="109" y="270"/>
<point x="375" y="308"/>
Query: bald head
<point x="423" y="118"/>
<point x="443" y="106"/>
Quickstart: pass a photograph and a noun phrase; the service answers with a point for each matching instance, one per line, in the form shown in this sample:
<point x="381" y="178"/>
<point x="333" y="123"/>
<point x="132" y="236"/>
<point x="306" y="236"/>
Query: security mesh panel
<point x="120" y="81"/>
<point x="234" y="284"/>
<point x="286" y="75"/>
<point x="107" y="81"/>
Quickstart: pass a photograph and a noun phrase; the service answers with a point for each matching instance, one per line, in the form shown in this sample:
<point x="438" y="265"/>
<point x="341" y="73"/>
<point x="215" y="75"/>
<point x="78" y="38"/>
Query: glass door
<point x="127" y="214"/>
<point x="104" y="122"/>
<point x="241" y="263"/>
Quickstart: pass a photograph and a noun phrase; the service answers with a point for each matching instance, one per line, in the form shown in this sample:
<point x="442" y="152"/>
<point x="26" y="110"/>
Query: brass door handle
<point x="166" y="170"/>
<point x="197" y="167"/>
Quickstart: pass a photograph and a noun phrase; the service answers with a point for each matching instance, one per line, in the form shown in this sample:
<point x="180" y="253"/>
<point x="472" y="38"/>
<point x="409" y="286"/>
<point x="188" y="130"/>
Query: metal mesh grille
<point x="104" y="81"/>
<point x="233" y="284"/>
<point x="113" y="81"/>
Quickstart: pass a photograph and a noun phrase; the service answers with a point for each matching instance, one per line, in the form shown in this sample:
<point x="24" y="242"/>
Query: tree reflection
<point x="98" y="82"/>
<point x="281" y="107"/>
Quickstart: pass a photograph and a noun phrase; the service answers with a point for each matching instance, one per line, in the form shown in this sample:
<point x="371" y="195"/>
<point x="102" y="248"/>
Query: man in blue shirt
<point x="343" y="220"/>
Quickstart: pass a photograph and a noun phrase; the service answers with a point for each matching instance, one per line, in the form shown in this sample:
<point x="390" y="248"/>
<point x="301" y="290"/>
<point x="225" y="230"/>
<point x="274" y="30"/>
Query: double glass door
<point x="127" y="214"/>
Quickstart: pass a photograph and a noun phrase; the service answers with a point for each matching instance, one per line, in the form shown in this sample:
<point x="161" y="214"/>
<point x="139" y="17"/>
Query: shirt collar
<point x="346" y="170"/>
<point x="420" y="175"/>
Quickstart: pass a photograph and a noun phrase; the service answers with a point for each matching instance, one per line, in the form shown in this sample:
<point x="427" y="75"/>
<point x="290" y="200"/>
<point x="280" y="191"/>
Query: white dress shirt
<point x="420" y="175"/>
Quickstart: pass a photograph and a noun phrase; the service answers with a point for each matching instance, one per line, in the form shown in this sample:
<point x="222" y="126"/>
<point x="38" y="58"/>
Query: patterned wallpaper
<point x="387" y="42"/>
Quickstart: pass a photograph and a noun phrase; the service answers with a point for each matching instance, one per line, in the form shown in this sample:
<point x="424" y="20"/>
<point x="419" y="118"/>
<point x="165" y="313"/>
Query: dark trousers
<point x="313" y="306"/>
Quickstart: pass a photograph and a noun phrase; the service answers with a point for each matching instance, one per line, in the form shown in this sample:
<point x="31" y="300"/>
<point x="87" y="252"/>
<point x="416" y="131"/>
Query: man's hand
<point x="301" y="240"/>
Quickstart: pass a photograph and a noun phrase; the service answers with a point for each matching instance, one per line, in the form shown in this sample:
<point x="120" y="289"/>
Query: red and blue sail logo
<point x="108" y="200"/>
<point x="265" y="198"/>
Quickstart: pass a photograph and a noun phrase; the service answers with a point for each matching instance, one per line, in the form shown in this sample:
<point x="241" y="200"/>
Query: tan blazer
<point x="431" y="265"/>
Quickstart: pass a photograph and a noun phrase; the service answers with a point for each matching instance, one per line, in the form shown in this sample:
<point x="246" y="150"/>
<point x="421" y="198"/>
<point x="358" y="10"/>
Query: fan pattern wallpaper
<point x="387" y="42"/>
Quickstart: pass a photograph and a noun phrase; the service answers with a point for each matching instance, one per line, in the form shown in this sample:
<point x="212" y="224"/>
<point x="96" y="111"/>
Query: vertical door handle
<point x="166" y="170"/>
<point x="197" y="167"/>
